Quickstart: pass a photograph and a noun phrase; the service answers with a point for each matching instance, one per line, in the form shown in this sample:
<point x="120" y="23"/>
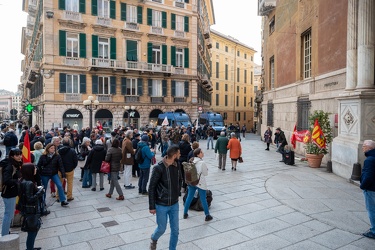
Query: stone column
<point x="366" y="43"/>
<point x="351" y="54"/>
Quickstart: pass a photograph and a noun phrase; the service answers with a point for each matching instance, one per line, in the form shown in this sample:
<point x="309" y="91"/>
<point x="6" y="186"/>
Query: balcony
<point x="129" y="65"/>
<point x="179" y="33"/>
<point x="104" y="98"/>
<point x="131" y="98"/>
<point x="159" y="68"/>
<point x="157" y="99"/>
<point x="102" y="63"/>
<point x="73" y="61"/>
<point x="31" y="8"/>
<point x="30" y="22"/>
<point x="179" y="71"/>
<point x="265" y="7"/>
<point x="179" y="4"/>
<point x="131" y="26"/>
<point x="105" y="21"/>
<point x="158" y="1"/>
<point x="179" y="99"/>
<point x="156" y="30"/>
<point x="73" y="97"/>
<point x="72" y="15"/>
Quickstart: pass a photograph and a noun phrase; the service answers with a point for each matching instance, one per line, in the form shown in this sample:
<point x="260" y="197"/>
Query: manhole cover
<point x="110" y="223"/>
<point x="103" y="209"/>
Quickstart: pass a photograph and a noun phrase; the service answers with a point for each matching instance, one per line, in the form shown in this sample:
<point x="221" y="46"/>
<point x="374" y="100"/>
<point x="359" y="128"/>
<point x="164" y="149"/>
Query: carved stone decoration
<point x="348" y="118"/>
<point x="157" y="38"/>
<point x="132" y="34"/>
<point x="104" y="29"/>
<point x="369" y="119"/>
<point x="181" y="42"/>
<point x="72" y="24"/>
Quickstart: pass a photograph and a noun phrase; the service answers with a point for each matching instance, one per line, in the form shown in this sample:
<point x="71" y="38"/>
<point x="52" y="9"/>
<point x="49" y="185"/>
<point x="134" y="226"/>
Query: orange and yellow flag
<point x="26" y="157"/>
<point x="317" y="135"/>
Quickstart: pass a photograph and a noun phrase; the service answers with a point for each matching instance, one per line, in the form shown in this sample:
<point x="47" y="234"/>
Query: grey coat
<point x="114" y="156"/>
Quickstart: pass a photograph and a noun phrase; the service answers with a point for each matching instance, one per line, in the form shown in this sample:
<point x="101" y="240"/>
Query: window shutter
<point x="149" y="87"/>
<point x="164" y="19"/>
<point x="82" y="6"/>
<point x="112" y="9"/>
<point x="62" y="83"/>
<point x="61" y="4"/>
<point x="123" y="11"/>
<point x="82" y="84"/>
<point x="149" y="16"/>
<point x="186" y="1"/>
<point x="95" y="81"/>
<point x="186" y="57"/>
<point x="186" y="27"/>
<point x="82" y="45"/>
<point x="164" y="53"/>
<point x="149" y="52"/>
<point x="94" y="7"/>
<point x="173" y="89"/>
<point x="173" y="21"/>
<point x="113" y="48"/>
<point x="123" y="85"/>
<point x="173" y="56"/>
<point x="95" y="46"/>
<point x="140" y="87"/>
<point x="186" y="88"/>
<point x="113" y="85"/>
<point x="62" y="41"/>
<point x="139" y="14"/>
<point x="131" y="50"/>
<point x="164" y="87"/>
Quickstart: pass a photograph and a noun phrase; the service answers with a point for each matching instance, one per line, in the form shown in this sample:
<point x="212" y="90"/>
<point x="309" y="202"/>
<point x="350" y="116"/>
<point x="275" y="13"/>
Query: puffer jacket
<point x="368" y="172"/>
<point x="69" y="158"/>
<point x="114" y="156"/>
<point x="11" y="174"/>
<point x="95" y="158"/>
<point x="164" y="187"/>
<point x="146" y="154"/>
<point x="50" y="166"/>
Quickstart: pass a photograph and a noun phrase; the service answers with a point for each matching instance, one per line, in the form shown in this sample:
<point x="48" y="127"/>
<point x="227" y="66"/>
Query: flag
<point x="165" y="122"/>
<point x="26" y="157"/>
<point x="293" y="140"/>
<point x="317" y="135"/>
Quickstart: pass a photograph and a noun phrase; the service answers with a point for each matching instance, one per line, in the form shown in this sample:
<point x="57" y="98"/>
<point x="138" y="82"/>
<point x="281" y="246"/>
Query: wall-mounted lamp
<point x="47" y="73"/>
<point x="49" y="13"/>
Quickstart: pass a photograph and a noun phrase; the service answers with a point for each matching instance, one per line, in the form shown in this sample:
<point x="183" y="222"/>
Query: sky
<point x="238" y="19"/>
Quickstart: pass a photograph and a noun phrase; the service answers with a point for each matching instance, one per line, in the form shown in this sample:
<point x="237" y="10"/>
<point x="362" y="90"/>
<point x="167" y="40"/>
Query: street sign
<point x="200" y="109"/>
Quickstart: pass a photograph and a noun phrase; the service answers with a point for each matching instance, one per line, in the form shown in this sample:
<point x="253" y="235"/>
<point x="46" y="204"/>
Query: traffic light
<point x="29" y="108"/>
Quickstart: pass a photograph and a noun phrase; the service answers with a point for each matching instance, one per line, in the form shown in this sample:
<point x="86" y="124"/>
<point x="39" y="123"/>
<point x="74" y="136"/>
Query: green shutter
<point x="186" y="1"/>
<point x="113" y="85"/>
<point x="62" y="83"/>
<point x="164" y="19"/>
<point x="131" y="50"/>
<point x="95" y="82"/>
<point x="139" y="14"/>
<point x="186" y="85"/>
<point x="149" y="16"/>
<point x="123" y="11"/>
<point x="149" y="87"/>
<point x="61" y="4"/>
<point x="82" y="84"/>
<point x="186" y="27"/>
<point x="82" y="45"/>
<point x="82" y="6"/>
<point x="140" y="87"/>
<point x="164" y="87"/>
<point x="164" y="59"/>
<point x="62" y="41"/>
<point x="173" y="56"/>
<point x="186" y="57"/>
<point x="94" y="7"/>
<point x="113" y="48"/>
<point x="173" y="21"/>
<point x="123" y="85"/>
<point x="173" y="89"/>
<point x="95" y="46"/>
<point x="112" y="9"/>
<point x="149" y="52"/>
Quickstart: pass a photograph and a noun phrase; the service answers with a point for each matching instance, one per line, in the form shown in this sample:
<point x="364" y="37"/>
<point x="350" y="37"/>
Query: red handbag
<point x="105" y="167"/>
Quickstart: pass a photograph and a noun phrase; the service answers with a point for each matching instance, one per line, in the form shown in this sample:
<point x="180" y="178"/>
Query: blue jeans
<point x="9" y="207"/>
<point x="202" y="196"/>
<point x="165" y="148"/>
<point x="87" y="178"/>
<point x="30" y="240"/>
<point x="56" y="180"/>
<point x="210" y="139"/>
<point x="162" y="214"/>
<point x="370" y="207"/>
<point x="143" y="179"/>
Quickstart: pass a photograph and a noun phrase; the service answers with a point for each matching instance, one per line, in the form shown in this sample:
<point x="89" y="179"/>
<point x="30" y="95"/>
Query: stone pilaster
<point x="351" y="54"/>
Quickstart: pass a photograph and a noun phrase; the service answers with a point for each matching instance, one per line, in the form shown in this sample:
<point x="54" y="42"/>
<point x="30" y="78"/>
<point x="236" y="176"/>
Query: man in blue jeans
<point x="368" y="184"/>
<point x="163" y="196"/>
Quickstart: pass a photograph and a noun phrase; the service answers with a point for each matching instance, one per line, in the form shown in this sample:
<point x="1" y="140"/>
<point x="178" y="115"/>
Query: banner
<point x="165" y="122"/>
<point x="317" y="135"/>
<point x="26" y="157"/>
<point x="301" y="136"/>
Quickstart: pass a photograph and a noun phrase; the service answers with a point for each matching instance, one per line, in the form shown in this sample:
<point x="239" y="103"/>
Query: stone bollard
<point x="10" y="242"/>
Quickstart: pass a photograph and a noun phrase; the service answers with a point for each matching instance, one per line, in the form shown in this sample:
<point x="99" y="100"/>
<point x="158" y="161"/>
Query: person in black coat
<point x="94" y="162"/>
<point x="283" y="142"/>
<point x="135" y="141"/>
<point x="10" y="141"/>
<point x="38" y="137"/>
<point x="185" y="148"/>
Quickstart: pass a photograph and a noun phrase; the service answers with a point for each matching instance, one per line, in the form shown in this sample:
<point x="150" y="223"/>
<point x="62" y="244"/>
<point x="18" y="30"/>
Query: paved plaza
<point x="265" y="204"/>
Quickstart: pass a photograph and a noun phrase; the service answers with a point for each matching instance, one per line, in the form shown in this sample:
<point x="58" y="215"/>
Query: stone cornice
<point x="72" y="24"/>
<point x="132" y="34"/>
<point x="157" y="38"/>
<point x="181" y="41"/>
<point x="104" y="29"/>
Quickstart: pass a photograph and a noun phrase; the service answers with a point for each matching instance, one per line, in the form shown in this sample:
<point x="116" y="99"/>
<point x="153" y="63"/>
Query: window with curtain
<point x="103" y="48"/>
<point x="131" y="86"/>
<point x="131" y="13"/>
<point x="103" y="8"/>
<point x="104" y="85"/>
<point x="180" y="89"/>
<point x="72" y="45"/>
<point x="156" y="54"/>
<point x="180" y="22"/>
<point x="179" y="58"/>
<point x="72" y="5"/>
<point x="131" y="50"/>
<point x="157" y="88"/>
<point x="156" y="18"/>
<point x="72" y="83"/>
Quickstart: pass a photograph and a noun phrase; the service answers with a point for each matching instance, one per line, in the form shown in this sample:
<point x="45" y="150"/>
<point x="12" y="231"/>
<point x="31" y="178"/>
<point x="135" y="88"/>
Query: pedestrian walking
<point x="243" y="130"/>
<point x="268" y="137"/>
<point x="144" y="167"/>
<point x="128" y="158"/>
<point x="221" y="149"/>
<point x="94" y="162"/>
<point x="210" y="137"/>
<point x="234" y="145"/>
<point x="113" y="156"/>
<point x="86" y="176"/>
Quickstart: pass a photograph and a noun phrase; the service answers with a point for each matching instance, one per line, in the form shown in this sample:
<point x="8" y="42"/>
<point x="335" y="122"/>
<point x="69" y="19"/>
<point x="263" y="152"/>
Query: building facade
<point x="233" y="80"/>
<point x="319" y="55"/>
<point x="136" y="58"/>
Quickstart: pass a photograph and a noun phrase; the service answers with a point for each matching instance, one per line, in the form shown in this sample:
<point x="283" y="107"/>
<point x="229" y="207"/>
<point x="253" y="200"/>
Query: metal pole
<point x="128" y="118"/>
<point x="90" y="110"/>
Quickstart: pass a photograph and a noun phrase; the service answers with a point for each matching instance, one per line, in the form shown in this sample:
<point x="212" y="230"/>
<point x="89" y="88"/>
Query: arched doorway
<point x="179" y="111"/>
<point x="105" y="117"/>
<point x="71" y="117"/>
<point x="131" y="118"/>
<point x="153" y="117"/>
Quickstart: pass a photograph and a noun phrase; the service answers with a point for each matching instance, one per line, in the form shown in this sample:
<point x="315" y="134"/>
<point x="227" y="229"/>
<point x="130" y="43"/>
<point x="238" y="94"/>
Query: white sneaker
<point x="53" y="195"/>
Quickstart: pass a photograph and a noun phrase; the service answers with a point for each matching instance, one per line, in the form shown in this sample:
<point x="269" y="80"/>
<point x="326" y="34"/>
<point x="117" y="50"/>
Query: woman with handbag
<point x="234" y="145"/>
<point x="94" y="161"/>
<point x="29" y="204"/>
<point x="114" y="156"/>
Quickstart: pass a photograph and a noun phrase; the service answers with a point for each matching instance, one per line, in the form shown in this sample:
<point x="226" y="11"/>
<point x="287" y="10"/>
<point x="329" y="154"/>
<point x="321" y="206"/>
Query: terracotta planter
<point x="314" y="160"/>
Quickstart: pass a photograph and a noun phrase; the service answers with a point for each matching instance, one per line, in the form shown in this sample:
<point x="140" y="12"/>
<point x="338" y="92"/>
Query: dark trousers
<point x="282" y="152"/>
<point x="143" y="179"/>
<point x="135" y="169"/>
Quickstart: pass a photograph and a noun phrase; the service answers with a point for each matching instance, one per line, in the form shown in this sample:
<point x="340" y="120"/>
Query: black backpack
<point x="138" y="156"/>
<point x="7" y="140"/>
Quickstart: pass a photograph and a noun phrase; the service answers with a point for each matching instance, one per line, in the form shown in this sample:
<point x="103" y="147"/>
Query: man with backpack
<point x="147" y="155"/>
<point x="135" y="142"/>
<point x="10" y="141"/>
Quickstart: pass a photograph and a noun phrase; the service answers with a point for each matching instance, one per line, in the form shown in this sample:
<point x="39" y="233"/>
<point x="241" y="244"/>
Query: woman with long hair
<point x="234" y="145"/>
<point x="114" y="155"/>
<point x="86" y="172"/>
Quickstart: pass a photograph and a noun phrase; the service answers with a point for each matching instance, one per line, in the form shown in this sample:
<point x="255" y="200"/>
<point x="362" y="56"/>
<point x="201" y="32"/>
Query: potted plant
<point x="317" y="145"/>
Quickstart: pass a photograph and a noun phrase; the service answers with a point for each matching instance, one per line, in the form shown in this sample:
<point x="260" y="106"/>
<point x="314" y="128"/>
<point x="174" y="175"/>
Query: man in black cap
<point x="135" y="141"/>
<point x="282" y="143"/>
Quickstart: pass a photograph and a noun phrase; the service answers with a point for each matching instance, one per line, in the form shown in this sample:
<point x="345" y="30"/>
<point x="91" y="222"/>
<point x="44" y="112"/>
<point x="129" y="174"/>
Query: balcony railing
<point x="131" y="98"/>
<point x="156" y="30"/>
<point x="72" y="15"/>
<point x="157" y="99"/>
<point x="159" y="1"/>
<point x="104" y="98"/>
<point x="180" y="4"/>
<point x="103" y="21"/>
<point x="131" y="26"/>
<point x="72" y="97"/>
<point x="179" y="33"/>
<point x="30" y="22"/>
<point x="179" y="71"/>
<point x="179" y="99"/>
<point x="73" y="61"/>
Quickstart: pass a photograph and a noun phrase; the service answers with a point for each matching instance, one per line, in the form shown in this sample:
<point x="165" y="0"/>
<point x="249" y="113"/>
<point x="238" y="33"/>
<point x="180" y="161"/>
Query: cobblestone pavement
<point x="263" y="205"/>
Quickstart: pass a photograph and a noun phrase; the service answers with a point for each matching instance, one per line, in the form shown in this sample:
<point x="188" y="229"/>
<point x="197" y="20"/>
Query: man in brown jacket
<point x="128" y="158"/>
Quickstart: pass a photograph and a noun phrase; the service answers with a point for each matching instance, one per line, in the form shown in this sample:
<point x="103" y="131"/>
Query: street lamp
<point x="127" y="110"/>
<point x="91" y="104"/>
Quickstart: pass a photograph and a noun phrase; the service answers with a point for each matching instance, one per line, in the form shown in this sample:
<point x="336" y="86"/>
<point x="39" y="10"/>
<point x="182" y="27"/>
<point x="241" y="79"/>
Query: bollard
<point x="329" y="166"/>
<point x="356" y="173"/>
<point x="10" y="242"/>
